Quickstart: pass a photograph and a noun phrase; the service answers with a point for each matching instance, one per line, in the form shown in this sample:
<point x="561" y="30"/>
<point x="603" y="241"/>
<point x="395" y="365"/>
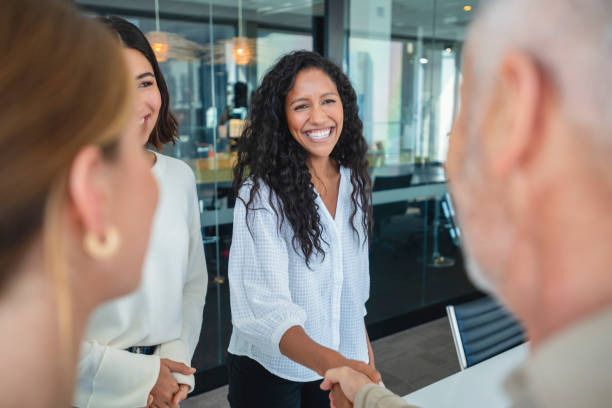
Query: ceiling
<point x="408" y="17"/>
<point x="450" y="20"/>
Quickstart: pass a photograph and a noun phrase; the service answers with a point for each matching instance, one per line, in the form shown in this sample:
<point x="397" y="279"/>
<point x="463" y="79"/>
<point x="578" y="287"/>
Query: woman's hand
<point x="166" y="387"/>
<point x="181" y="395"/>
<point x="337" y="399"/>
<point x="299" y="347"/>
<point x="335" y="359"/>
<point x="350" y="381"/>
<point x="367" y="369"/>
<point x="338" y="360"/>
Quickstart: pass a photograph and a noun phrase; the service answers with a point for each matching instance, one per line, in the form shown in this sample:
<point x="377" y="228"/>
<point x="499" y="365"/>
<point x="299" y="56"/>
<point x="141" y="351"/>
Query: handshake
<point x="345" y="382"/>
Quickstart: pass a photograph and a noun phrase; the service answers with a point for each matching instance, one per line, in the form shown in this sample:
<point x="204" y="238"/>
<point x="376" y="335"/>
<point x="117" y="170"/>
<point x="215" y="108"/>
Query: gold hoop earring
<point x="101" y="249"/>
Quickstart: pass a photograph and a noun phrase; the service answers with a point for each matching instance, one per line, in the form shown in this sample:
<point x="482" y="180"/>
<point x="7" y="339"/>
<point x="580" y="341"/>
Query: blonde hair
<point x="64" y="85"/>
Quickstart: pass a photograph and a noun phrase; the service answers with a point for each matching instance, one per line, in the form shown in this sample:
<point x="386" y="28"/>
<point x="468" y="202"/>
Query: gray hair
<point x="571" y="40"/>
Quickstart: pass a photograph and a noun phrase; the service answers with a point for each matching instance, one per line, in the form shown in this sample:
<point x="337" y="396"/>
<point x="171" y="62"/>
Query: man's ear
<point x="88" y="191"/>
<point x="512" y="128"/>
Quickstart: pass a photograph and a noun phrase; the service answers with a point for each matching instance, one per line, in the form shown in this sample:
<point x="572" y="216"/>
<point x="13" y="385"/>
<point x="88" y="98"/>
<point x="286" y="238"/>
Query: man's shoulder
<point x="571" y="368"/>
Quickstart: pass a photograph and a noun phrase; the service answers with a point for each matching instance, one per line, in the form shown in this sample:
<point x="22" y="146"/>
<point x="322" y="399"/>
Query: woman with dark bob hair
<point x="138" y="349"/>
<point x="298" y="269"/>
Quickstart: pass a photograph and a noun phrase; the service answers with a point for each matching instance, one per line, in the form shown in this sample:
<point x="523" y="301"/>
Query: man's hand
<point x="350" y="382"/>
<point x="166" y="387"/>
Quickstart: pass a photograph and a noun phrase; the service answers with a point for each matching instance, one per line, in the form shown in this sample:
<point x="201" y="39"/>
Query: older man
<point x="530" y="169"/>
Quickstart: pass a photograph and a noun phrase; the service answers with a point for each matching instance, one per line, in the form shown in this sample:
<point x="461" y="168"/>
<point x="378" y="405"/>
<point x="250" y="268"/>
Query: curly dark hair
<point x="268" y="153"/>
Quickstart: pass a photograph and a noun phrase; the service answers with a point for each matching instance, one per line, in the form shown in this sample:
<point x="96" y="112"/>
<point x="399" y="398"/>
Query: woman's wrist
<point x="331" y="359"/>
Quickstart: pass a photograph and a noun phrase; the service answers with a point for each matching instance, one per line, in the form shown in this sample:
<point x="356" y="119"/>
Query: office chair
<point x="482" y="329"/>
<point x="383" y="213"/>
<point x="448" y="210"/>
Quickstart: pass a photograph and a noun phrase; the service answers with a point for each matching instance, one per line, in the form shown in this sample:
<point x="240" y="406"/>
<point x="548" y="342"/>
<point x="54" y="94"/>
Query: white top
<point x="165" y="310"/>
<point x="272" y="289"/>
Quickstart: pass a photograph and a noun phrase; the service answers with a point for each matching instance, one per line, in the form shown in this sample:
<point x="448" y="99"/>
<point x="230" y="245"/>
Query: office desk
<point x="226" y="215"/>
<point x="480" y="386"/>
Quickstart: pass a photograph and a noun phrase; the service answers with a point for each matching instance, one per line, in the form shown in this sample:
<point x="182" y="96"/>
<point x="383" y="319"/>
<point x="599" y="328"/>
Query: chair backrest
<point x="482" y="329"/>
<point x="391" y="182"/>
<point x="448" y="210"/>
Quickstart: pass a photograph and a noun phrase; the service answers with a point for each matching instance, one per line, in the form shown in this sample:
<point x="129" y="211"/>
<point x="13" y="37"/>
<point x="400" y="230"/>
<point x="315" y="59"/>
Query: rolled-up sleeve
<point x="262" y="308"/>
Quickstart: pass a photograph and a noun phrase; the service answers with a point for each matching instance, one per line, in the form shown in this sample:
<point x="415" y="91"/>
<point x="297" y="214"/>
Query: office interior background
<point x="403" y="58"/>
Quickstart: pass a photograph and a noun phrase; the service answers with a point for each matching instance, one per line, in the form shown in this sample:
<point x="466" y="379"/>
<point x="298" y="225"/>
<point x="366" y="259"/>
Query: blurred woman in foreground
<point x="77" y="194"/>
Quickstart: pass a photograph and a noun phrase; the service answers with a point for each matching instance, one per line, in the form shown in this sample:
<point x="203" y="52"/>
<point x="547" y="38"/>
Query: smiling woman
<point x="138" y="349"/>
<point x="299" y="270"/>
<point x="158" y="124"/>
<point x="314" y="115"/>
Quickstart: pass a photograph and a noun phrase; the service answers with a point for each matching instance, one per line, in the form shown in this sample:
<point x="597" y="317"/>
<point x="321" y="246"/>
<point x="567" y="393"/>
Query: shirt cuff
<point x="280" y="331"/>
<point x="176" y="350"/>
<point x="373" y="396"/>
<point x="360" y="397"/>
<point x="185" y="379"/>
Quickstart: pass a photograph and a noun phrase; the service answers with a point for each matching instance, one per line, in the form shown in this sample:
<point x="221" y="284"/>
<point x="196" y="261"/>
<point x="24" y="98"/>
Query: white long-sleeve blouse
<point x="165" y="310"/>
<point x="272" y="289"/>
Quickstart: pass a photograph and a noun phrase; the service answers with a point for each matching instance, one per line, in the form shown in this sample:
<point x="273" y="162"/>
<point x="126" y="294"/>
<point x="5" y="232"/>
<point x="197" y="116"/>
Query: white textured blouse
<point x="165" y="310"/>
<point x="272" y="289"/>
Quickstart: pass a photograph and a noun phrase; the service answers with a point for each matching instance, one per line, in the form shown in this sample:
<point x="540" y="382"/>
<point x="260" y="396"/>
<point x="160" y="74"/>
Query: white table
<point x="478" y="386"/>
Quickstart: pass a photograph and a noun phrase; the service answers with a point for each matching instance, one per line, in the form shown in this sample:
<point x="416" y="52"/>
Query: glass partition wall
<point x="403" y="58"/>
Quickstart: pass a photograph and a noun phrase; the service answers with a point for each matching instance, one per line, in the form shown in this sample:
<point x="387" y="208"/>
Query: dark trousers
<point x="251" y="385"/>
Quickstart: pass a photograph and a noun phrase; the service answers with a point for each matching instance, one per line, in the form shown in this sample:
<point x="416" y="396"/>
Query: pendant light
<point x="167" y="45"/>
<point x="242" y="47"/>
